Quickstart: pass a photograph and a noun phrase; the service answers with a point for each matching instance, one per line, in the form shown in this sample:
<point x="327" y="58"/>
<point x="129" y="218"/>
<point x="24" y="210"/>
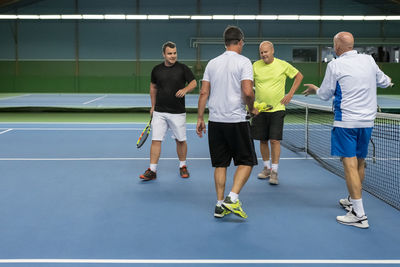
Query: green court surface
<point x="6" y="95"/>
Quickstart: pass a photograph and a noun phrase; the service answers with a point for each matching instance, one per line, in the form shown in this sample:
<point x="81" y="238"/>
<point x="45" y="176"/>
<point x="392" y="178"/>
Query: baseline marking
<point x="84" y="129"/>
<point x="98" y="98"/>
<point x="6" y="131"/>
<point x="100" y="159"/>
<point x="12" y="97"/>
<point x="93" y="159"/>
<point x="175" y="261"/>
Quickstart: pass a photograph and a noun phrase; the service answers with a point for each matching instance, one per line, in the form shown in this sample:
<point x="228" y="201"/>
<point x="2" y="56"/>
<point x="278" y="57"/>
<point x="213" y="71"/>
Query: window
<point x="305" y="54"/>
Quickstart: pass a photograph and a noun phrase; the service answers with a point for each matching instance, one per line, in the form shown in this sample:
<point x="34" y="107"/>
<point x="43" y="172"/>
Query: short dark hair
<point x="168" y="44"/>
<point x="233" y="35"/>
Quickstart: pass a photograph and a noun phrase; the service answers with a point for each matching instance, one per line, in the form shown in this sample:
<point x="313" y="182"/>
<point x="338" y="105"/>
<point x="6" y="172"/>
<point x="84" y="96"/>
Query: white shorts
<point x="163" y="120"/>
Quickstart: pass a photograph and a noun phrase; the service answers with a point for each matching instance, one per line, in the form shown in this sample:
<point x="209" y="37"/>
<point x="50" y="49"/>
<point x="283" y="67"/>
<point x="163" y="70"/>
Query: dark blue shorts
<point x="350" y="142"/>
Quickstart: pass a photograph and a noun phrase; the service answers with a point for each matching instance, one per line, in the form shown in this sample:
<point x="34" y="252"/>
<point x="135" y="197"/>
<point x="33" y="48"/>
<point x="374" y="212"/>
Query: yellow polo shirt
<point x="270" y="80"/>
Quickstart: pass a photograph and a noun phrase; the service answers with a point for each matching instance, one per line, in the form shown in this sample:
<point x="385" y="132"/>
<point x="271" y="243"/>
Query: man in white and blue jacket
<point x="352" y="80"/>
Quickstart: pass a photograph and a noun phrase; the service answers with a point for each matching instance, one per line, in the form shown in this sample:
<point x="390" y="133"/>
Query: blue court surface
<point x="71" y="196"/>
<point x="103" y="101"/>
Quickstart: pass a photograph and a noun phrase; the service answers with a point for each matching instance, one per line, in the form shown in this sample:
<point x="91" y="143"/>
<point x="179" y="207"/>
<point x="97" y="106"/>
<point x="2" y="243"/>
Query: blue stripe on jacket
<point x="337" y="101"/>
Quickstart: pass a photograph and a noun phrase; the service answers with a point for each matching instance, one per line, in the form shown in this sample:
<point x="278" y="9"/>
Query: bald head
<point x="343" y="42"/>
<point x="267" y="52"/>
<point x="267" y="43"/>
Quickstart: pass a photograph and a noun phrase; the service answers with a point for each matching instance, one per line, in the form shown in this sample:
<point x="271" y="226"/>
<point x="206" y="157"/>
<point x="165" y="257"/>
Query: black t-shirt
<point x="170" y="80"/>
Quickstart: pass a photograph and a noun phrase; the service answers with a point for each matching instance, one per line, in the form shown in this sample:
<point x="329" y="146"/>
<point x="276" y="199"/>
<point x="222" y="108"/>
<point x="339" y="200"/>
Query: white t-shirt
<point x="225" y="74"/>
<point x="352" y="79"/>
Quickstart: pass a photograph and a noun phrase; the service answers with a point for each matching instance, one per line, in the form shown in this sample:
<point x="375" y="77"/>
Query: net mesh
<point x="308" y="129"/>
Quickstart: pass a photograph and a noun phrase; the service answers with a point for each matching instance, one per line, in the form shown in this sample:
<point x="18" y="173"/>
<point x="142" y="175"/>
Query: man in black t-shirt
<point x="170" y="82"/>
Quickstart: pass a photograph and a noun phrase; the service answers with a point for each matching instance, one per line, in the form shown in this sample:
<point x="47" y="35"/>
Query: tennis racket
<point x="143" y="136"/>
<point x="250" y="116"/>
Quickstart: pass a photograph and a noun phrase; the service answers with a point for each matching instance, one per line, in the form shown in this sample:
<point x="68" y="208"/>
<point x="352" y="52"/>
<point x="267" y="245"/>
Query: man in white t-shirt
<point x="228" y="86"/>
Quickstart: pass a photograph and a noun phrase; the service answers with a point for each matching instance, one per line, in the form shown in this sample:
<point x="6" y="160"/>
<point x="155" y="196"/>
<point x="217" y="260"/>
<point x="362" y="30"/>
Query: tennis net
<point x="308" y="129"/>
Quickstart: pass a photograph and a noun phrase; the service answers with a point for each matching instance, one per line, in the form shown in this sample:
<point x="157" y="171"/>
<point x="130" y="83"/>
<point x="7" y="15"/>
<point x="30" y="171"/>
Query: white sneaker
<point x="346" y="203"/>
<point x="273" y="180"/>
<point x="265" y="173"/>
<point x="352" y="219"/>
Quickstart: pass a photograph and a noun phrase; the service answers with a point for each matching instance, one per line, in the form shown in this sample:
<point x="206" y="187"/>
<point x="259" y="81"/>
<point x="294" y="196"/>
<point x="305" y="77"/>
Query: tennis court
<point x="74" y="98"/>
<point x="109" y="101"/>
<point x="71" y="195"/>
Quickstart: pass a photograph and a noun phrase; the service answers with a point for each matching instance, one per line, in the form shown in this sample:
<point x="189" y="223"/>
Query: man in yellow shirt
<point x="270" y="75"/>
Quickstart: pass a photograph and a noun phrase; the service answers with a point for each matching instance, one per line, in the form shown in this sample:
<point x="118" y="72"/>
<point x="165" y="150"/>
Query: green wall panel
<point x="44" y="84"/>
<point x="124" y="76"/>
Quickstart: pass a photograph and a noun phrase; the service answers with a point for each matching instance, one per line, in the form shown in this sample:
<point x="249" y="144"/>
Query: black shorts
<point x="268" y="125"/>
<point x="231" y="140"/>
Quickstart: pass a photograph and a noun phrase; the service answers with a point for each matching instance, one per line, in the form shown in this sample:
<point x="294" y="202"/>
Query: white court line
<point x="79" y="123"/>
<point x="6" y="131"/>
<point x="84" y="129"/>
<point x="111" y="159"/>
<point x="12" y="97"/>
<point x="98" y="98"/>
<point x="100" y="159"/>
<point x="197" y="261"/>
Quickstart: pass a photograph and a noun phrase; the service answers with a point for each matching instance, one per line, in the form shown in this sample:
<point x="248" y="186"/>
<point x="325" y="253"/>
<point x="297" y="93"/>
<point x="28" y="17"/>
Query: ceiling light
<point x="245" y="17"/>
<point x="331" y="17"/>
<point x="309" y="17"/>
<point x="197" y="17"/>
<point x="114" y="16"/>
<point x="136" y="17"/>
<point x="71" y="16"/>
<point x="92" y="16"/>
<point x="28" y="16"/>
<point x="158" y="17"/>
<point x="288" y="17"/>
<point x="266" y="17"/>
<point x="223" y="17"/>
<point x="8" y="16"/>
<point x="353" y="17"/>
<point x="392" y="17"/>
<point x="179" y="17"/>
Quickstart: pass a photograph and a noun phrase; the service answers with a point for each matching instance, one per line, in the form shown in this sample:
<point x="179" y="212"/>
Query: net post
<point x="306" y="132"/>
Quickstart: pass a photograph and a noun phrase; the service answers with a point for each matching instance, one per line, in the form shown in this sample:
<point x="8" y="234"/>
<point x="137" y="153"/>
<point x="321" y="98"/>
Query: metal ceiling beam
<point x="387" y="6"/>
<point x="4" y="3"/>
<point x="197" y="41"/>
<point x="12" y="5"/>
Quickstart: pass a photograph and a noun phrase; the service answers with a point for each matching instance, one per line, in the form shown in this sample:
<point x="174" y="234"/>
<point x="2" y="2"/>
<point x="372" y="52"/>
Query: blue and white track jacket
<point x="352" y="79"/>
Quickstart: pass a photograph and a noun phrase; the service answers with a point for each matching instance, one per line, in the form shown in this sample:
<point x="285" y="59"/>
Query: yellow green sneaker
<point x="220" y="211"/>
<point x="235" y="207"/>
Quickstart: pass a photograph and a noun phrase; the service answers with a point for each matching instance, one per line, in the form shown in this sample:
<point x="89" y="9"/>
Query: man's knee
<point x="275" y="142"/>
<point x="180" y="142"/>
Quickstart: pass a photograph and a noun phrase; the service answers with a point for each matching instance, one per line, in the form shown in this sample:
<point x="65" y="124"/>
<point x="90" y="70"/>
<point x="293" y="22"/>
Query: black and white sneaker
<point x="346" y="203"/>
<point x="220" y="212"/>
<point x="352" y="219"/>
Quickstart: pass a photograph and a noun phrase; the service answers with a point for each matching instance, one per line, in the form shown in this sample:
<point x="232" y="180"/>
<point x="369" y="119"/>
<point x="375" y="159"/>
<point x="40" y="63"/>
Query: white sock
<point x="233" y="196"/>
<point x="358" y="207"/>
<point x="153" y="167"/>
<point x="267" y="164"/>
<point x="275" y="167"/>
<point x="219" y="202"/>
<point x="182" y="163"/>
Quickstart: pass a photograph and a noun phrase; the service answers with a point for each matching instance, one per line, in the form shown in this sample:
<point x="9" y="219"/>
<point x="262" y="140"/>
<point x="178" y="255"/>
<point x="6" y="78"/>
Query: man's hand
<point x="200" y="127"/>
<point x="311" y="89"/>
<point x="286" y="99"/>
<point x="181" y="93"/>
<point x="255" y="112"/>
